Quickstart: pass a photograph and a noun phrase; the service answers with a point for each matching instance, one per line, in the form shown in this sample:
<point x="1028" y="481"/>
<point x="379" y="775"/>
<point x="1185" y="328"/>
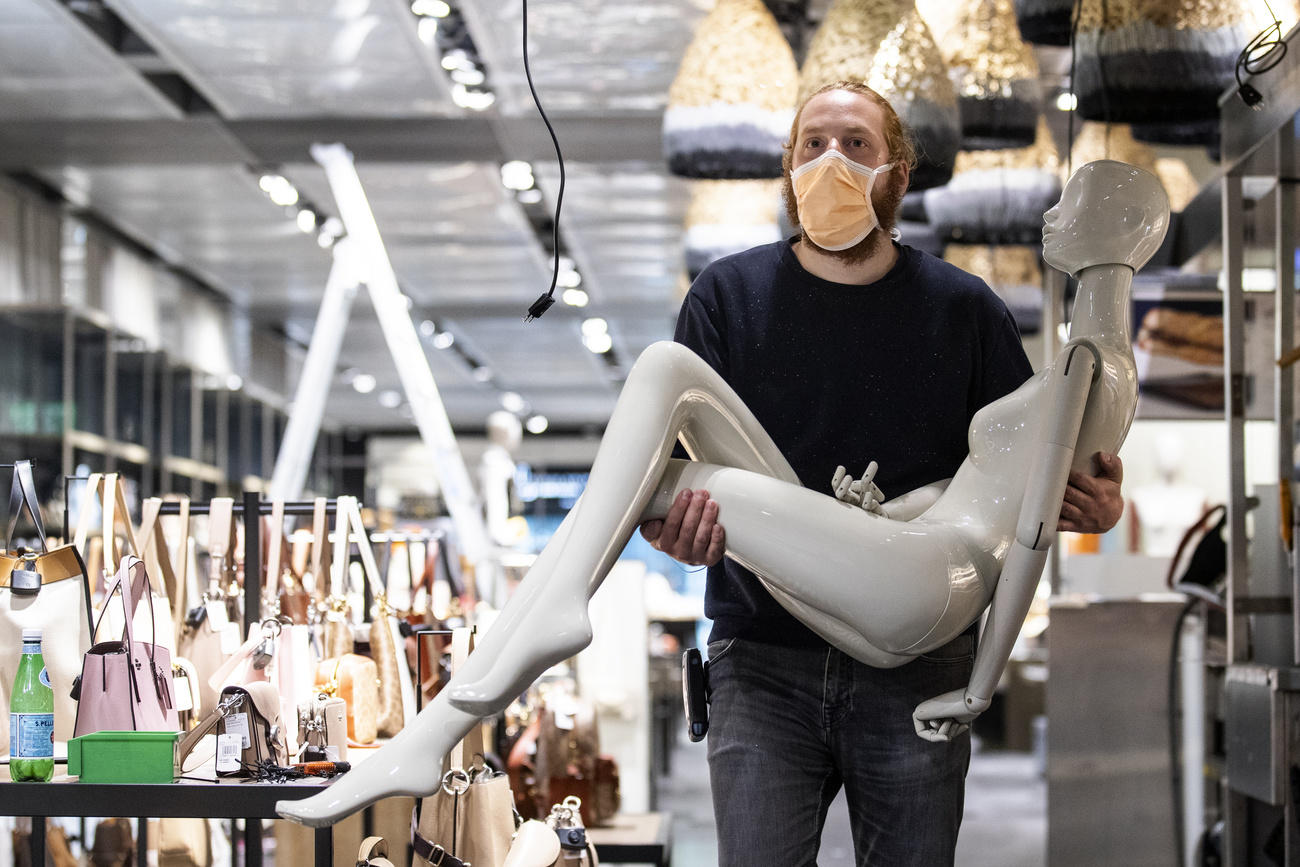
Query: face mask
<point x="833" y="195"/>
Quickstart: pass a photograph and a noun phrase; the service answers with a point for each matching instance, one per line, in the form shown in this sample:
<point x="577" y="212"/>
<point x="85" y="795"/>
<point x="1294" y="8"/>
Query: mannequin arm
<point x="948" y="715"/>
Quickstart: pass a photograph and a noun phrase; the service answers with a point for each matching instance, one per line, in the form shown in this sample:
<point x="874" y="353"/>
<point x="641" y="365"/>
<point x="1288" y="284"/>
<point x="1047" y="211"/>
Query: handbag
<point x="184" y="841"/>
<point x="355" y="679"/>
<point x="569" y="762"/>
<point x="565" y="819"/>
<point x="125" y="685"/>
<point x="323" y="724"/>
<point x="249" y="731"/>
<point x="49" y="590"/>
<point x="471" y="817"/>
<point x="374" y="853"/>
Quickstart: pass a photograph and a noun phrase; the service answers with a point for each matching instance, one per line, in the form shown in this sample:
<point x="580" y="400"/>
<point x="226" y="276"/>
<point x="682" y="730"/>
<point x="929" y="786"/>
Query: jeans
<point x="789" y="726"/>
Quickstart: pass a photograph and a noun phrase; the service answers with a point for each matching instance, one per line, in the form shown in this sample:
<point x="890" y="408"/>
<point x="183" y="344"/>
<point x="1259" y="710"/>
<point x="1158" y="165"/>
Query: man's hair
<point x="898" y="139"/>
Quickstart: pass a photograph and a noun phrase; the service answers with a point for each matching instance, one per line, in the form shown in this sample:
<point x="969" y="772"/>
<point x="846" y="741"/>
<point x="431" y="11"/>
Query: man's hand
<point x="1093" y="504"/>
<point x="690" y="532"/>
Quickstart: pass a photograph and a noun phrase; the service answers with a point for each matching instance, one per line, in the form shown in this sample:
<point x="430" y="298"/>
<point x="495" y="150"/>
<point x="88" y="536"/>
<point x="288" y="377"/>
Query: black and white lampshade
<point x="1159" y="61"/>
<point x="998" y="196"/>
<point x="995" y="74"/>
<point x="726" y="217"/>
<point x="1045" y="22"/>
<point x="886" y="45"/>
<point x="732" y="102"/>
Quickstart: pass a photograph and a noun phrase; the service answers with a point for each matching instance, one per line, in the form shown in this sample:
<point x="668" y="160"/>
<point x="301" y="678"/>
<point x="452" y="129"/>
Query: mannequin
<point x="883" y="583"/>
<point x="496" y="475"/>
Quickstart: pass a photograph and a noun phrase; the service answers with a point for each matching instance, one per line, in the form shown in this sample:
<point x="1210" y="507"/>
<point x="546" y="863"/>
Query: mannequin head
<point x="503" y="429"/>
<point x="1110" y="213"/>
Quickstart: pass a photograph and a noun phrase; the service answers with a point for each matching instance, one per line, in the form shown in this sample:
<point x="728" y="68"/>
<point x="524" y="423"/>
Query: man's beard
<point x="885" y="200"/>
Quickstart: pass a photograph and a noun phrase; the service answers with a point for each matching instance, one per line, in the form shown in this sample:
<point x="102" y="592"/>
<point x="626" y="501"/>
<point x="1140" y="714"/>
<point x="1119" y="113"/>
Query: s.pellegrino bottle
<point x="31" y="716"/>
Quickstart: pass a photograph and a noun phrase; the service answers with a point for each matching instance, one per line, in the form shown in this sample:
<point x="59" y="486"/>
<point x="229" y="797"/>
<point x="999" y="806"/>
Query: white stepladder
<point x="883" y="584"/>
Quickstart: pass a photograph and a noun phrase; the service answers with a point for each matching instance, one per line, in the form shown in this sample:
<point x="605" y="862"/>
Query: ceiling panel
<point x="53" y="68"/>
<point x="259" y="58"/>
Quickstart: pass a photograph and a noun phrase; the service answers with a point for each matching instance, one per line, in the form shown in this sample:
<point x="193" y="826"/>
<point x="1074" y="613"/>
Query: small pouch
<point x="250" y="714"/>
<point x="323" y="723"/>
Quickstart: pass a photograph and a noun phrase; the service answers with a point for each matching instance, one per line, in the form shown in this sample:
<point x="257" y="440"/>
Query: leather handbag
<point x="471" y="817"/>
<point x="323" y="724"/>
<point x="252" y="714"/>
<point x="126" y="685"/>
<point x="355" y="679"/>
<point x="569" y="762"/>
<point x="47" y="589"/>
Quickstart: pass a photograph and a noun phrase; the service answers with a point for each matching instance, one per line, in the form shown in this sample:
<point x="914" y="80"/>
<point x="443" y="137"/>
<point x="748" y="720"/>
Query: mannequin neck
<point x="1102" y="304"/>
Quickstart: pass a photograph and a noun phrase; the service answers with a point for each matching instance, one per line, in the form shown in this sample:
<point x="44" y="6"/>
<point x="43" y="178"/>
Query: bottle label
<point x="31" y="735"/>
<point x="31" y="647"/>
<point x="45" y="678"/>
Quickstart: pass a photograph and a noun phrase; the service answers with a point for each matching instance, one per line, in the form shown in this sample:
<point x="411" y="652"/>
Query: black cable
<point x="1260" y="55"/>
<point x="546" y="299"/>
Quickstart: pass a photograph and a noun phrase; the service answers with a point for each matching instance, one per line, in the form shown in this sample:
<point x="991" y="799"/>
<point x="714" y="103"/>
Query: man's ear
<point x="906" y="174"/>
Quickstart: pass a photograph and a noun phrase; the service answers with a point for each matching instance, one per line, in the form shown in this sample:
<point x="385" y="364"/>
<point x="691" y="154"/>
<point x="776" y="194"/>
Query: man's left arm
<point x="1093" y="504"/>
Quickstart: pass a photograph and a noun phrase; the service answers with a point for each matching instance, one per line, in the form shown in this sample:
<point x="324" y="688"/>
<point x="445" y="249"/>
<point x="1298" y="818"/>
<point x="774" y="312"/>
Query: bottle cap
<point x="31" y="633"/>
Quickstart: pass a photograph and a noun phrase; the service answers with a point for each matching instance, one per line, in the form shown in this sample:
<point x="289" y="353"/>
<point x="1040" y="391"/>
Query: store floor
<point x="1005" y="823"/>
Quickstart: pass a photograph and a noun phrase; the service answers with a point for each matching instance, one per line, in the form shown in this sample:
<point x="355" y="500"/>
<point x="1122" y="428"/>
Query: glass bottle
<point x="31" y="716"/>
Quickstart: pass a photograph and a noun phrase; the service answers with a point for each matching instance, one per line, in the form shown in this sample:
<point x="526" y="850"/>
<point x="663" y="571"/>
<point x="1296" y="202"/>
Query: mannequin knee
<point x="665" y="362"/>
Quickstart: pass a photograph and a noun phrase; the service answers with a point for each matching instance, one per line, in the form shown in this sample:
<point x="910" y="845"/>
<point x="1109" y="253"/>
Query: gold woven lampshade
<point x="725" y="217"/>
<point x="731" y="104"/>
<point x="1160" y="61"/>
<point x="995" y="74"/>
<point x="1013" y="272"/>
<point x="1178" y="181"/>
<point x="1045" y="22"/>
<point x="886" y="45"/>
<point x="998" y="196"/>
<point x="1114" y="141"/>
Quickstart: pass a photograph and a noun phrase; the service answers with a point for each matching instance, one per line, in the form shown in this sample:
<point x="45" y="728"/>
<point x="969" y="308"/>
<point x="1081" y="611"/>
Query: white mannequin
<point x="884" y="588"/>
<point x="497" y="470"/>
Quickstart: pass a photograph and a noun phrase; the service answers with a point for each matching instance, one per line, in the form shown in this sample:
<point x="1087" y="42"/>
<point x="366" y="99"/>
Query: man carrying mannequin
<point x="849" y="348"/>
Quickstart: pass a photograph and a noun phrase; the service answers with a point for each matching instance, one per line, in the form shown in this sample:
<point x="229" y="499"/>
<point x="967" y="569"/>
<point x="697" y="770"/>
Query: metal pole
<point x="404" y="345"/>
<point x="299" y="443"/>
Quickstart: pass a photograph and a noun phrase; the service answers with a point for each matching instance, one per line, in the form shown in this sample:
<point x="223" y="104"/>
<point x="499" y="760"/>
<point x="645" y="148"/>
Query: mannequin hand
<point x="1094" y="504"/>
<point x="690" y="532"/>
<point x="944" y="717"/>
<point x="862" y="493"/>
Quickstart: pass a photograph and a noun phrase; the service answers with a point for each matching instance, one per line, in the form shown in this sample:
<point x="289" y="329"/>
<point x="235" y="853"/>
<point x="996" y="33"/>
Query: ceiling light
<point x="594" y="326"/>
<point x="333" y="225"/>
<point x="325" y="239"/>
<point x="517" y="175"/>
<point x="468" y="77"/>
<point x="575" y="298"/>
<point x="453" y="59"/>
<point x="306" y="220"/>
<point x="234" y="382"/>
<point x="536" y="424"/>
<point x="284" y="194"/>
<point x="390" y="399"/>
<point x="482" y="373"/>
<point x="569" y="279"/>
<point x="1067" y="101"/>
<point x="512" y="402"/>
<point x="427" y="30"/>
<point x="270" y="182"/>
<point x="530" y="197"/>
<point x="475" y="100"/>
<point x="428" y="328"/>
<point x="598" y="343"/>
<point x="431" y="8"/>
<point x="364" y="383"/>
<point x="443" y="340"/>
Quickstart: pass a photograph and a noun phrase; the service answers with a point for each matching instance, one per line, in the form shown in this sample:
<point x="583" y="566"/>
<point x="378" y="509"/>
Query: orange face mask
<point x="833" y="195"/>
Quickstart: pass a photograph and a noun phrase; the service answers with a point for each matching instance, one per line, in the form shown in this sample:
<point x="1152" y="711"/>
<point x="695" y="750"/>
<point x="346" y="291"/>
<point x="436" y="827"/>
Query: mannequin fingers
<point x="870" y="472"/>
<point x="844" y="488"/>
<point x="840" y="473"/>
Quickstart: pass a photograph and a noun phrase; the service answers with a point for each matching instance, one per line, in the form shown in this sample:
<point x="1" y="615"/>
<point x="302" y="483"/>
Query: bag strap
<point x="362" y="538"/>
<point x="153" y="543"/>
<point x="338" y="586"/>
<point x="186" y="744"/>
<point x="373" y="853"/>
<point x="22" y="492"/>
<point x="320" y="548"/>
<point x="94" y="482"/>
<point x="460" y="647"/>
<point x="275" y="542"/>
<point x="115" y="499"/>
<point x="221" y="534"/>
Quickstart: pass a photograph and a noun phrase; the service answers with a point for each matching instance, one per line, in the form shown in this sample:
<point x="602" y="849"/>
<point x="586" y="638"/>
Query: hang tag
<point x="217" y="615"/>
<point x="331" y="753"/>
<point x="564" y="721"/>
<point x="237" y="724"/>
<point x="229" y="639"/>
<point x="228" y="753"/>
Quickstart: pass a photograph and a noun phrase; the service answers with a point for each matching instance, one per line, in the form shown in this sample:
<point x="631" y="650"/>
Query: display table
<point x="638" y="838"/>
<point x="226" y="799"/>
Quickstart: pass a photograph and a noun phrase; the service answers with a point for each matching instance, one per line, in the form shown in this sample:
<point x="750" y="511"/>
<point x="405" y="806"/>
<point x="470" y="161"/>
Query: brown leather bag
<point x="569" y="762"/>
<point x="355" y="679"/>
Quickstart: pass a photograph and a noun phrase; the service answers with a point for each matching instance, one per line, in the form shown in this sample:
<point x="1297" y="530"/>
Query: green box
<point x="123" y="757"/>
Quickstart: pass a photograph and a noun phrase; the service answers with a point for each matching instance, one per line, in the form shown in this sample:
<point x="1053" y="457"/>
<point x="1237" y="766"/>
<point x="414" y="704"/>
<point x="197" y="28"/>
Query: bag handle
<point x="460" y="647"/>
<point x="221" y="534"/>
<point x="320" y="549"/>
<point x="373" y="853"/>
<point x="94" y="484"/>
<point x="349" y="506"/>
<point x="115" y="498"/>
<point x="22" y="492"/>
<point x="276" y="540"/>
<point x="152" y="540"/>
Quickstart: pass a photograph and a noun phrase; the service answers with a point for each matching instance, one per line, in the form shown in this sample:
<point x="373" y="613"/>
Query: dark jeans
<point x="789" y="726"/>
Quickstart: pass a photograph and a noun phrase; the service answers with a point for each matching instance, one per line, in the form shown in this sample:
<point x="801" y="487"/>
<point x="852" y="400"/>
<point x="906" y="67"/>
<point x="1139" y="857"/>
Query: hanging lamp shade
<point x="998" y="196"/>
<point x="725" y="217"/>
<point x="1159" y="61"/>
<point x="995" y="74"/>
<point x="886" y="45"/>
<point x="1013" y="272"/>
<point x="1178" y="181"/>
<point x="731" y="104"/>
<point x="1045" y="22"/>
<point x="1110" y="141"/>
<point x="1200" y="133"/>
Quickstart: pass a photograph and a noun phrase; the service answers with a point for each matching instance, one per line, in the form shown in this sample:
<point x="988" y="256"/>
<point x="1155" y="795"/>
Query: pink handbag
<point x="126" y="685"/>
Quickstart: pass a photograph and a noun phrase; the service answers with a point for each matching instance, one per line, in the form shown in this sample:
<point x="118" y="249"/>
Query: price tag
<point x="563" y="721"/>
<point x="217" y="615"/>
<point x="237" y="724"/>
<point x="229" y="639"/>
<point x="228" y="753"/>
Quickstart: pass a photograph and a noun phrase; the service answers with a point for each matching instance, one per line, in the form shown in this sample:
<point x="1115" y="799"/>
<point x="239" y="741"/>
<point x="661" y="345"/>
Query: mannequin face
<point x="503" y="429"/>
<point x="1110" y="213"/>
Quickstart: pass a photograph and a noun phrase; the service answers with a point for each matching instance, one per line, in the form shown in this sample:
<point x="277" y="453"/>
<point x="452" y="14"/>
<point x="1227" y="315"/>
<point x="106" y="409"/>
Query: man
<point x="848" y="347"/>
